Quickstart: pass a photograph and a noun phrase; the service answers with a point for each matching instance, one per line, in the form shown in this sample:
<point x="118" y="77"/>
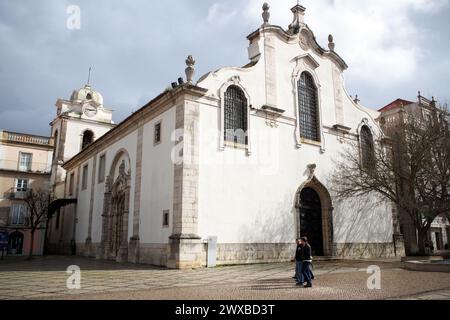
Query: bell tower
<point x="79" y="122"/>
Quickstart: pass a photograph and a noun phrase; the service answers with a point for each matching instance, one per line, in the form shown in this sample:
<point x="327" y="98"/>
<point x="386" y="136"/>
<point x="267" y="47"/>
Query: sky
<point x="137" y="48"/>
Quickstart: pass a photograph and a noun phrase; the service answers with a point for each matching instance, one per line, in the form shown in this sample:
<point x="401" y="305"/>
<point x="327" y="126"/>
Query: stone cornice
<point x="69" y="117"/>
<point x="168" y="98"/>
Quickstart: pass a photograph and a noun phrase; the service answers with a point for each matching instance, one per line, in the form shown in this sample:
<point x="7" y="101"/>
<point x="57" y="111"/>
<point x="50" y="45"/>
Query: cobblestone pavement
<point x="45" y="278"/>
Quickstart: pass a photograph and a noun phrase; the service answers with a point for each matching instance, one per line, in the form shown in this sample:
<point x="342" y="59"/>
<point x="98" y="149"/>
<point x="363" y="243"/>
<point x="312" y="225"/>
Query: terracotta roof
<point x="395" y="104"/>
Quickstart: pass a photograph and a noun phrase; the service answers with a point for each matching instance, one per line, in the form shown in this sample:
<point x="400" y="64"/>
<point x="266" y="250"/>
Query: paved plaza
<point x="46" y="278"/>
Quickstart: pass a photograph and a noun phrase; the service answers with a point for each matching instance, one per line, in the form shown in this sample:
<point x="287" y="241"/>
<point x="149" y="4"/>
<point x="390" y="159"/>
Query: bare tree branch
<point x="411" y="168"/>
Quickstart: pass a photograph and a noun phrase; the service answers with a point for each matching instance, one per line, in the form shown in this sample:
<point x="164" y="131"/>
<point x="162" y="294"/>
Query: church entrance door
<point x="117" y="224"/>
<point x="311" y="220"/>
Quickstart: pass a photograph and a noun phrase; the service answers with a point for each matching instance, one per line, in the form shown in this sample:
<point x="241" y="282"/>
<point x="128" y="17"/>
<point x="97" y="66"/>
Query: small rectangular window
<point x="25" y="162"/>
<point x="166" y="218"/>
<point x="157" y="133"/>
<point x="71" y="183"/>
<point x="101" y="169"/>
<point x="21" y="185"/>
<point x="84" y="178"/>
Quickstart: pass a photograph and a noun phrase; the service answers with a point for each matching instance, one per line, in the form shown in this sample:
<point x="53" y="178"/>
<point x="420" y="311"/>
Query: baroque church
<point x="232" y="167"/>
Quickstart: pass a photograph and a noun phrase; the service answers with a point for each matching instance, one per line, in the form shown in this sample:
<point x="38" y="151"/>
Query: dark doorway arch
<point x="15" y="243"/>
<point x="314" y="216"/>
<point x="311" y="223"/>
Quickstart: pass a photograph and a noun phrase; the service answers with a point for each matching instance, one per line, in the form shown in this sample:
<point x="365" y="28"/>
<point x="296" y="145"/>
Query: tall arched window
<point x="308" y="108"/>
<point x="235" y="116"/>
<point x="88" y="138"/>
<point x="367" y="147"/>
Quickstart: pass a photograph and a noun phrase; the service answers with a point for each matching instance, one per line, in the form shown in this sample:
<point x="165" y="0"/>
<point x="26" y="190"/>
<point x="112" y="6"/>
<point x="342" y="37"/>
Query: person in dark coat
<point x="297" y="241"/>
<point x="306" y="261"/>
<point x="299" y="277"/>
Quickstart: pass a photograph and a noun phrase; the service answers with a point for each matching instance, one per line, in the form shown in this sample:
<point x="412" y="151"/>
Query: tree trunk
<point x="30" y="253"/>
<point x="422" y="240"/>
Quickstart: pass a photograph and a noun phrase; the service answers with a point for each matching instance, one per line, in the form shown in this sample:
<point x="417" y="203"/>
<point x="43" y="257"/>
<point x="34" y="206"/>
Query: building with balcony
<point x="25" y="164"/>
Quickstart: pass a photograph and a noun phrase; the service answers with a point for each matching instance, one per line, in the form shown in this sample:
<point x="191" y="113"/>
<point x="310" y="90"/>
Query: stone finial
<point x="299" y="19"/>
<point x="331" y="44"/>
<point x="266" y="13"/>
<point x="190" y="62"/>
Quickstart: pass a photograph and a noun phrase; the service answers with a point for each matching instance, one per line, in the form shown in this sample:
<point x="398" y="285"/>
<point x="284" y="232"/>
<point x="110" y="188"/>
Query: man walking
<point x="297" y="242"/>
<point x="299" y="277"/>
<point x="306" y="263"/>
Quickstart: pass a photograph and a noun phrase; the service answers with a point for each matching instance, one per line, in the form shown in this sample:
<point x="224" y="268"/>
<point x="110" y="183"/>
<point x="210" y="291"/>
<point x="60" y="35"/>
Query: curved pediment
<point x="299" y="32"/>
<point x="308" y="60"/>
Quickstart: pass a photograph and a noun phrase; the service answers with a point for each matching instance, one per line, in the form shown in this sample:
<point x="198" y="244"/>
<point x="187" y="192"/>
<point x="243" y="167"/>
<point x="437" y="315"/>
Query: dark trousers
<point x="299" y="271"/>
<point x="307" y="273"/>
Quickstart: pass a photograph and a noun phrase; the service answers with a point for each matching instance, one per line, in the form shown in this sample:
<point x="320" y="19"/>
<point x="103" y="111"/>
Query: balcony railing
<point x="17" y="193"/>
<point x="26" y="138"/>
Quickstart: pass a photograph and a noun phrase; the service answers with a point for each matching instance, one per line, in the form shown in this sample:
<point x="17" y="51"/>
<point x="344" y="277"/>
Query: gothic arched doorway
<point x="116" y="210"/>
<point x="311" y="225"/>
<point x="116" y="223"/>
<point x="315" y="216"/>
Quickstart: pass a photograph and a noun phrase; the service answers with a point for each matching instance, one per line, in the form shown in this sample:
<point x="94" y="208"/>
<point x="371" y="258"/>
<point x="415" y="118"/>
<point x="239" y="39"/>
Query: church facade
<point x="243" y="155"/>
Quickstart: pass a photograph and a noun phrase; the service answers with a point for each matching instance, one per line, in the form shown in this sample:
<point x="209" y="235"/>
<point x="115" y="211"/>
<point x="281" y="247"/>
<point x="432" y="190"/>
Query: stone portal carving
<point x="115" y="216"/>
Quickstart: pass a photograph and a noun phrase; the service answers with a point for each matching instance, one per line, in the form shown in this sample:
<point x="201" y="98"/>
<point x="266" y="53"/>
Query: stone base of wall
<point x="154" y="254"/>
<point x="366" y="250"/>
<point x="239" y="253"/>
<point x="192" y="253"/>
<point x="185" y="252"/>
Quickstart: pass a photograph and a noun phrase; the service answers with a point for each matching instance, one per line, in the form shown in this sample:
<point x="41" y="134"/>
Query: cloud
<point x="220" y="13"/>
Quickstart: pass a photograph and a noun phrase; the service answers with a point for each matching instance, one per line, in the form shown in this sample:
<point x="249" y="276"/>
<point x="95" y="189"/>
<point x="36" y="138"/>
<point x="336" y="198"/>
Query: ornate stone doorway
<point x="118" y="208"/>
<point x="315" y="216"/>
<point x="115" y="215"/>
<point x="311" y="220"/>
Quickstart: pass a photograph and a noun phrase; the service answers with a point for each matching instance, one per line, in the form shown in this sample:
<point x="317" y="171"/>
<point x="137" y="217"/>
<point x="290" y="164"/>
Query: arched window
<point x="88" y="138"/>
<point x="89" y="96"/>
<point x="308" y="108"/>
<point x="367" y="147"/>
<point x="235" y="116"/>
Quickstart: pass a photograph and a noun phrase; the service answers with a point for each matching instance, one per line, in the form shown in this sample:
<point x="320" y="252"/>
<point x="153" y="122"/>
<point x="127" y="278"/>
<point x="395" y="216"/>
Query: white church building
<point x="243" y="155"/>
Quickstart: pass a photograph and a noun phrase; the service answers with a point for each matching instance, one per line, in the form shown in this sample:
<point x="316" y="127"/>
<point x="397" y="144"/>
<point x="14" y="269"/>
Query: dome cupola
<point x="87" y="94"/>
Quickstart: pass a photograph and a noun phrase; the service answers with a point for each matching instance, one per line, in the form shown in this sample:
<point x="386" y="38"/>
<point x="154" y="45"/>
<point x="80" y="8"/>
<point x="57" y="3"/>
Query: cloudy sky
<point x="137" y="48"/>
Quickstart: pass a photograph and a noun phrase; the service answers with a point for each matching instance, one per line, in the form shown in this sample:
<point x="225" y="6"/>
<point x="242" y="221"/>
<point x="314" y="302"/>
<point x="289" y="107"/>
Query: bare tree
<point x="37" y="202"/>
<point x="409" y="166"/>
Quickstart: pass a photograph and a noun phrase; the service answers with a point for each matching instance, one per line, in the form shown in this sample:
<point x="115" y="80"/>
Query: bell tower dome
<point x="79" y="121"/>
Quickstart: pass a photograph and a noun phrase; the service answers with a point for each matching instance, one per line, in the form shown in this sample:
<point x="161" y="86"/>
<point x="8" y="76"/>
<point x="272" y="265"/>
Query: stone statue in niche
<point x="304" y="40"/>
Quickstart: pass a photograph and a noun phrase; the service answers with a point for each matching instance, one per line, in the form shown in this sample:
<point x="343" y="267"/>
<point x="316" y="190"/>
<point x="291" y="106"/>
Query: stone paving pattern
<point x="45" y="278"/>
